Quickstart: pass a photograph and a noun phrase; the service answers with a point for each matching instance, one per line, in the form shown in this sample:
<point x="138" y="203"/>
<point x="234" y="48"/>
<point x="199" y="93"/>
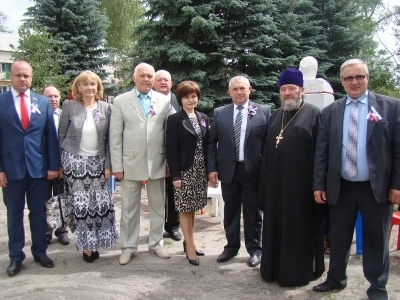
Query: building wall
<point x="5" y="58"/>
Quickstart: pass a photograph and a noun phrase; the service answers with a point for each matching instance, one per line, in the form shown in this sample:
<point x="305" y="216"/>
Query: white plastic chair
<point x="216" y="194"/>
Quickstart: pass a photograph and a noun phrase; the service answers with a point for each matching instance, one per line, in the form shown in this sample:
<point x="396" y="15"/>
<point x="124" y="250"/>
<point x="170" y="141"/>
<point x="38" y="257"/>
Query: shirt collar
<point x="138" y="94"/>
<point x="363" y="98"/>
<point x="16" y="94"/>
<point x="245" y="106"/>
<point x="57" y="111"/>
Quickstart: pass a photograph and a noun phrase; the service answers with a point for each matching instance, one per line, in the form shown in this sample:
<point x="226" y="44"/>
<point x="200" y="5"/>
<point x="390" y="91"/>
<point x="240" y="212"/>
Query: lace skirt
<point x="93" y="221"/>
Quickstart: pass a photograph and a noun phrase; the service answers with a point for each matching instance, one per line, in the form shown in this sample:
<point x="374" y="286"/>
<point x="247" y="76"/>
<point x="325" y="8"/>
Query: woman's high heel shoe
<point x="87" y="258"/>
<point x="198" y="252"/>
<point x="95" y="254"/>
<point x="194" y="262"/>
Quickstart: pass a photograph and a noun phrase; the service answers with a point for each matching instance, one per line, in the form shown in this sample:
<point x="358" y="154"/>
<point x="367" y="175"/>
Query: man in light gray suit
<point x="137" y="142"/>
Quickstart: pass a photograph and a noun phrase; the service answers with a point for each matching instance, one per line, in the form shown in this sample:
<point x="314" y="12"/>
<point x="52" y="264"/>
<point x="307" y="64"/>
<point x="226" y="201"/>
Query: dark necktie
<point x="237" y="128"/>
<point x="350" y="166"/>
<point x="24" y="112"/>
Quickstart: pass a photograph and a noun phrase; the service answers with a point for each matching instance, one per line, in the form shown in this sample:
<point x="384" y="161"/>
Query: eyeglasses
<point x="351" y="78"/>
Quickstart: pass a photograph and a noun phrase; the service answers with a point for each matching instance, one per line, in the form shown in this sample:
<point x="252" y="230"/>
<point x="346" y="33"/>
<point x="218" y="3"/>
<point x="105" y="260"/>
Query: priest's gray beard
<point x="290" y="104"/>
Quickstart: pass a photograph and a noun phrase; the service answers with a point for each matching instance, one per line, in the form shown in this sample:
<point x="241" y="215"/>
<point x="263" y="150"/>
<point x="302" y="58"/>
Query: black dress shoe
<point x="198" y="252"/>
<point x="225" y="256"/>
<point x="175" y="235"/>
<point x="327" y="287"/>
<point x="44" y="261"/>
<point x="14" y="268"/>
<point x="254" y="261"/>
<point x="63" y="238"/>
<point x="194" y="262"/>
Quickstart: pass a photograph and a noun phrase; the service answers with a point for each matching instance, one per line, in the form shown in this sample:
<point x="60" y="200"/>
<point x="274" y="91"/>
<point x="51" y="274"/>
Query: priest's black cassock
<point x="292" y="237"/>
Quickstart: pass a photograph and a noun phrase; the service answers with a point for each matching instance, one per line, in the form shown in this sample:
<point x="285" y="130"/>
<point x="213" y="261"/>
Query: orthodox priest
<point x="292" y="237"/>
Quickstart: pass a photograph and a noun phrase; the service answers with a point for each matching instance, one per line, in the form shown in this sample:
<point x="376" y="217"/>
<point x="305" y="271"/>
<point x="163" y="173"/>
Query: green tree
<point x="210" y="42"/>
<point x="45" y="55"/>
<point x="79" y="29"/>
<point x="3" y="19"/>
<point x="124" y="16"/>
<point x="347" y="30"/>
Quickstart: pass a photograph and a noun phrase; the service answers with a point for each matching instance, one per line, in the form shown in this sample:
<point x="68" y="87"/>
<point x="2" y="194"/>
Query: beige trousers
<point x="130" y="213"/>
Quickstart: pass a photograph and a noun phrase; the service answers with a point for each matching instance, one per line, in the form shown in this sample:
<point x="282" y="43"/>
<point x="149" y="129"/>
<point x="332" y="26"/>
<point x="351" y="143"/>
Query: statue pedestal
<point x="318" y="92"/>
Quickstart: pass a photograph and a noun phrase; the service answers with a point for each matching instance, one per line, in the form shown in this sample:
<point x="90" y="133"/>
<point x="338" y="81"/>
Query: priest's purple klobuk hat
<point x="291" y="76"/>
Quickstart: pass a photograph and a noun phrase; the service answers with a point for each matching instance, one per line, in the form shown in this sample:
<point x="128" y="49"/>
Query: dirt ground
<point x="150" y="277"/>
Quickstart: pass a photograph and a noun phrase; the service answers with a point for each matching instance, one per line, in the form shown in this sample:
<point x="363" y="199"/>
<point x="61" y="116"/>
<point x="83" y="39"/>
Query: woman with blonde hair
<point x="85" y="160"/>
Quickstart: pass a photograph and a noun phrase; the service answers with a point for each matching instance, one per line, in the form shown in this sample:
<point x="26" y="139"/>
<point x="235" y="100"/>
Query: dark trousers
<point x="14" y="200"/>
<point x="55" y="187"/>
<point x="376" y="218"/>
<point x="171" y="215"/>
<point x="241" y="191"/>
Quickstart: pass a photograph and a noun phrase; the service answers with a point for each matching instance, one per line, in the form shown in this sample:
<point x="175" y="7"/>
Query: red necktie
<point x="24" y="112"/>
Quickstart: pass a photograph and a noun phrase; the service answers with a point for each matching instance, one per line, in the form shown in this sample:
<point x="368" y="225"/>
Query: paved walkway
<point x="150" y="277"/>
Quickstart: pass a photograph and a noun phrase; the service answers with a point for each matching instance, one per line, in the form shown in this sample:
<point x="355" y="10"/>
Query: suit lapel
<point x="10" y="104"/>
<point x="187" y="123"/>
<point x="134" y="101"/>
<point x="153" y="106"/>
<point x="249" y="121"/>
<point x="35" y="112"/>
<point x="372" y="101"/>
<point x="201" y="122"/>
<point x="339" y="114"/>
<point x="229" y="118"/>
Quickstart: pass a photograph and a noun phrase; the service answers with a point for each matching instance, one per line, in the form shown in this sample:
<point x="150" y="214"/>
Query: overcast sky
<point x="15" y="9"/>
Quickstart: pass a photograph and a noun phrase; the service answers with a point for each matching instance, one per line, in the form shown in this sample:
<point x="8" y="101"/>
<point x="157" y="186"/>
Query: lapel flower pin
<point x="203" y="122"/>
<point x="152" y="112"/>
<point x="97" y="115"/>
<point x="252" y="110"/>
<point x="172" y="109"/>
<point x="34" y="108"/>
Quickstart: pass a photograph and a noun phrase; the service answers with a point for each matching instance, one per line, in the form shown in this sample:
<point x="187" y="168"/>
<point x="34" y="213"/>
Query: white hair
<point x="163" y="71"/>
<point x="142" y="65"/>
<point x="238" y="78"/>
<point x="353" y="62"/>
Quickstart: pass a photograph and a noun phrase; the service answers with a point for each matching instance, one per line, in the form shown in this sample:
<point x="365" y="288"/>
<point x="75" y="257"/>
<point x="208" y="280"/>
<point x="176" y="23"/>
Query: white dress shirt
<point x="244" y="126"/>
<point x="56" y="116"/>
<point x="17" y="102"/>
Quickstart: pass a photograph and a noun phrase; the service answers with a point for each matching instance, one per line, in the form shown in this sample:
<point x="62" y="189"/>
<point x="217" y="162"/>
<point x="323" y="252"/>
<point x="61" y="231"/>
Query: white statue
<point x="318" y="91"/>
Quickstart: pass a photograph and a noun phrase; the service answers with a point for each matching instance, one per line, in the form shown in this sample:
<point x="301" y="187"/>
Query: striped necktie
<point x="237" y="128"/>
<point x="350" y="166"/>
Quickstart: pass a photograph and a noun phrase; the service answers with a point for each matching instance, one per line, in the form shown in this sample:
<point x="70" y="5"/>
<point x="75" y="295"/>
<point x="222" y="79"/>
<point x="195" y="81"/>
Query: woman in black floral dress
<point x="187" y="132"/>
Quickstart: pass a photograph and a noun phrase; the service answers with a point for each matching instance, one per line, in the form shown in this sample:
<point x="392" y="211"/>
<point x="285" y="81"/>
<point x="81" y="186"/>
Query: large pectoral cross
<point x="279" y="138"/>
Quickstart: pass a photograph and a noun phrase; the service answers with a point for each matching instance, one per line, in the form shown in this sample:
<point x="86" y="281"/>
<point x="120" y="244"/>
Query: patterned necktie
<point x="24" y="112"/>
<point x="350" y="166"/>
<point x="237" y="128"/>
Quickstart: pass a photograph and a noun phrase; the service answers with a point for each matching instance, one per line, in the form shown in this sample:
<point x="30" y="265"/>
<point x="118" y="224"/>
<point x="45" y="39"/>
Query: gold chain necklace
<point x="280" y="136"/>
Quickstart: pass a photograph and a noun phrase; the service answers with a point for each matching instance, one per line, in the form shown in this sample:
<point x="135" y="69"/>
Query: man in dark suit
<point x="55" y="186"/>
<point x="28" y="155"/>
<point x="357" y="168"/>
<point x="234" y="157"/>
<point x="163" y="85"/>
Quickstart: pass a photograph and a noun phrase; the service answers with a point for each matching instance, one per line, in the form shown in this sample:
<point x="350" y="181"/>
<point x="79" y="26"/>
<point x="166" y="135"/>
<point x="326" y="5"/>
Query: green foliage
<point x="79" y="28"/>
<point x="347" y="29"/>
<point x="45" y="55"/>
<point x="3" y="19"/>
<point x="124" y="16"/>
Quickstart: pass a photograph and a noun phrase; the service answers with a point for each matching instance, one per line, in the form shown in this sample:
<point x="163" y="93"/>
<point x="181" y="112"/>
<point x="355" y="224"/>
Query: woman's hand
<point x="107" y="173"/>
<point x="177" y="183"/>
